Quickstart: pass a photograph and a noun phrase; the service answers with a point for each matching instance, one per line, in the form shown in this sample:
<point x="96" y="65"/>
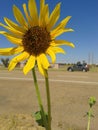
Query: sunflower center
<point x="36" y="40"/>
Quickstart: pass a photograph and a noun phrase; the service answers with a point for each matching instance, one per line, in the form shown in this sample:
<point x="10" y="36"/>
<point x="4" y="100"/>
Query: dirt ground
<point x="70" y="92"/>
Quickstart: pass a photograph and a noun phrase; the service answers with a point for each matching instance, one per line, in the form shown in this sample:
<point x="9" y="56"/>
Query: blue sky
<point x="84" y="21"/>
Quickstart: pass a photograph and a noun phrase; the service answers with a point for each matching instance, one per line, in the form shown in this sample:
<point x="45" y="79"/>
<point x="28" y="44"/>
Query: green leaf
<point x="39" y="119"/>
<point x="92" y="101"/>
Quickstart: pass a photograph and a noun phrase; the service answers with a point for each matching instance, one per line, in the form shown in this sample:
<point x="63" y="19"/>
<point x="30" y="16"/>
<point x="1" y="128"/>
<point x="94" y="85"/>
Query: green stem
<point x="39" y="98"/>
<point x="89" y="117"/>
<point x="48" y="101"/>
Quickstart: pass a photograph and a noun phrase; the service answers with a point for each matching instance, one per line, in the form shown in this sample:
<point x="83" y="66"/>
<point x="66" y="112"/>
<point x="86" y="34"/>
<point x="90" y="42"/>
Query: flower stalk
<point x="46" y="122"/>
<point x="39" y="99"/>
<point x="92" y="101"/>
<point x="89" y="118"/>
<point x="48" y="100"/>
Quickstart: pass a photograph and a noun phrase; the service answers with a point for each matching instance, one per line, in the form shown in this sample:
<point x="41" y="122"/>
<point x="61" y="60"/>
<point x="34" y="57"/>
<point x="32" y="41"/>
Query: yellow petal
<point x="33" y="11"/>
<point x="29" y="65"/>
<point x="15" y="60"/>
<point x="11" y="51"/>
<point x="40" y="67"/>
<point x="44" y="61"/>
<point x="62" y="24"/>
<point x="2" y="32"/>
<point x="56" y="33"/>
<point x="12" y="30"/>
<point x="12" y="65"/>
<point x="68" y="30"/>
<point x="64" y="42"/>
<point x="19" y="16"/>
<point x="47" y="15"/>
<point x="13" y="39"/>
<point x="13" y="25"/>
<point x="54" y="17"/>
<point x="27" y="15"/>
<point x="58" y="50"/>
<point x="42" y="4"/>
<point x="51" y="54"/>
<point x="42" y="13"/>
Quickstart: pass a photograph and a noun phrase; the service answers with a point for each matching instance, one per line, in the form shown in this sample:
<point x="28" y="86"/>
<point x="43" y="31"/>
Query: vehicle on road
<point x="78" y="67"/>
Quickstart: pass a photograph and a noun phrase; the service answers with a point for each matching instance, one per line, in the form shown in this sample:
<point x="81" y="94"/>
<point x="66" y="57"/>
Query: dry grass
<point x="18" y="122"/>
<point x="69" y="99"/>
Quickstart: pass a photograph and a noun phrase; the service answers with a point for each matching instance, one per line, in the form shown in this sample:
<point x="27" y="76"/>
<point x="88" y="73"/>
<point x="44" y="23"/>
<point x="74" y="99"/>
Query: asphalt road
<point x="69" y="96"/>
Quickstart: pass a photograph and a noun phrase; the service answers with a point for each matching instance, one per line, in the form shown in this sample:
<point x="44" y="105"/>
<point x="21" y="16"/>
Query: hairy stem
<point x="48" y="101"/>
<point x="39" y="99"/>
<point x="89" y="117"/>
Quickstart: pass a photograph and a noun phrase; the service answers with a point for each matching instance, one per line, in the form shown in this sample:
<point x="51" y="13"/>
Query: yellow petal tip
<point x="71" y="30"/>
<point x="72" y="45"/>
<point x="9" y="69"/>
<point x="25" y="72"/>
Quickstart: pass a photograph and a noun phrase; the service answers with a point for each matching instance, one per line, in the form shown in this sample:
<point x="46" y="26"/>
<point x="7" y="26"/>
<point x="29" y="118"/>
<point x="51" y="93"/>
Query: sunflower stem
<point x="39" y="99"/>
<point x="89" y="118"/>
<point x="48" y="100"/>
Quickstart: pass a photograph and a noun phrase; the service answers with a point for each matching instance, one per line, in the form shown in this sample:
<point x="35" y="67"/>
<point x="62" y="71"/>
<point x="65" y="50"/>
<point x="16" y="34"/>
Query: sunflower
<point x="34" y="36"/>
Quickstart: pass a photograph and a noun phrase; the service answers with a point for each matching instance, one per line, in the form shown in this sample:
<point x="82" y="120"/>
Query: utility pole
<point x="91" y="58"/>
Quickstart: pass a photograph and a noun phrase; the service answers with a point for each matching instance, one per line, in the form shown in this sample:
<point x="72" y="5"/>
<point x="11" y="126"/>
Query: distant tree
<point x="5" y="61"/>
